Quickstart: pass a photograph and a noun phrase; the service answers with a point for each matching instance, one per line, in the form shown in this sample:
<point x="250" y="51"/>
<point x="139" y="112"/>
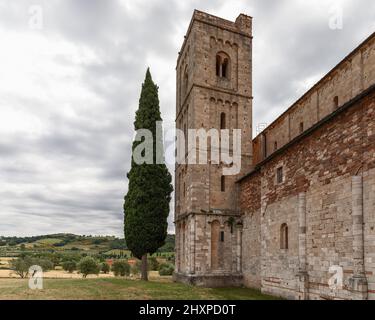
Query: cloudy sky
<point x="70" y="78"/>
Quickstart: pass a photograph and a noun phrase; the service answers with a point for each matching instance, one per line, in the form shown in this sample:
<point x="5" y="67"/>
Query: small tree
<point x="121" y="268"/>
<point x="69" y="266"/>
<point x="146" y="206"/>
<point x="105" y="267"/>
<point x="88" y="266"/>
<point x="21" y="266"/>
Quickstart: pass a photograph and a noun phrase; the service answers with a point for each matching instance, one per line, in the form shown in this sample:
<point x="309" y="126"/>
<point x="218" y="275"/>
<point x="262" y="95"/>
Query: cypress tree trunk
<point x="144" y="274"/>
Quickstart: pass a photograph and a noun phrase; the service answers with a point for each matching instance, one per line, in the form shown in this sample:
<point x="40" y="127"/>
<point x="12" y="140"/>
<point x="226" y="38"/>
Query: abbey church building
<point x="298" y="219"/>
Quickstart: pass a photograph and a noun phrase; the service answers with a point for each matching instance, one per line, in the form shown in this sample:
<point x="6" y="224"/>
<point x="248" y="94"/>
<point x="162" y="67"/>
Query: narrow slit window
<point x="301" y="127"/>
<point x="336" y="102"/>
<point x="222" y="236"/>
<point x="222" y="121"/>
<point x="222" y="183"/>
<point x="279" y="175"/>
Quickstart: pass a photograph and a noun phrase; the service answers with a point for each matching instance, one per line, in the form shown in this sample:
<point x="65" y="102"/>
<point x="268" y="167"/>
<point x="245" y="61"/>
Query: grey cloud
<point x="72" y="176"/>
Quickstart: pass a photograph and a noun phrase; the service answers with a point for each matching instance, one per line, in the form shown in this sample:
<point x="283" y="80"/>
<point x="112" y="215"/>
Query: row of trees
<point x="88" y="265"/>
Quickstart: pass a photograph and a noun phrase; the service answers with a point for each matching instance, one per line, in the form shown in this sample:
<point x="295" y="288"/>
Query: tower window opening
<point x="218" y="65"/>
<point x="275" y="146"/>
<point x="224" y="68"/>
<point x="222" y="183"/>
<point x="222" y="236"/>
<point x="222" y="65"/>
<point x="222" y="121"/>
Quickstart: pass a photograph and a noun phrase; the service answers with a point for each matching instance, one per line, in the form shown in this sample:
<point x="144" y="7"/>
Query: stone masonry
<point x="213" y="92"/>
<point x="303" y="205"/>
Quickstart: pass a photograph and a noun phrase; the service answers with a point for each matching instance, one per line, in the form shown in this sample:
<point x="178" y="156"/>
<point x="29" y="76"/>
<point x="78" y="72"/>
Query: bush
<point x="136" y="268"/>
<point x="153" y="263"/>
<point x="88" y="266"/>
<point x="105" y="267"/>
<point x="22" y="264"/>
<point x="121" y="268"/>
<point x="166" y="269"/>
<point x="69" y="266"/>
<point x="45" y="264"/>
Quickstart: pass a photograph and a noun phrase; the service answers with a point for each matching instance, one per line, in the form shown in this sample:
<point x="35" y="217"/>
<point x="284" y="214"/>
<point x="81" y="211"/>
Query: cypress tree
<point x="146" y="206"/>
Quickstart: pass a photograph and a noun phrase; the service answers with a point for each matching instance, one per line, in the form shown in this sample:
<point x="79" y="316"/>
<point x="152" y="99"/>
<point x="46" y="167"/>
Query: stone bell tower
<point x="214" y="91"/>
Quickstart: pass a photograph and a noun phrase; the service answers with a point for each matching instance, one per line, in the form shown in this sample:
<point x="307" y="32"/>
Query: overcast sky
<point x="70" y="84"/>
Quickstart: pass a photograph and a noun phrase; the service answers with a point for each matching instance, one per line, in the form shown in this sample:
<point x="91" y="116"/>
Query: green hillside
<point x="107" y="246"/>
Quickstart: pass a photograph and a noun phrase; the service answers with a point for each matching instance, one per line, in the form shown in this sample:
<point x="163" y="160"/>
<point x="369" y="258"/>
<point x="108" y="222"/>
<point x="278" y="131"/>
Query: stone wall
<point x="208" y="229"/>
<point x="250" y="203"/>
<point x="321" y="203"/>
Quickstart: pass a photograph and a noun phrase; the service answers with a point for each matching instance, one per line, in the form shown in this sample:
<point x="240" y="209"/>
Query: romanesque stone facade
<point x="213" y="92"/>
<point x="303" y="205"/>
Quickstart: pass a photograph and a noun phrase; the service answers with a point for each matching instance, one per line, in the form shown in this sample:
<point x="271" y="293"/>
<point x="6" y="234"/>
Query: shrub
<point x="136" y="268"/>
<point x="121" y="268"/>
<point x="153" y="264"/>
<point x="88" y="266"/>
<point x="45" y="264"/>
<point x="105" y="267"/>
<point x="22" y="264"/>
<point x="69" y="266"/>
<point x="166" y="269"/>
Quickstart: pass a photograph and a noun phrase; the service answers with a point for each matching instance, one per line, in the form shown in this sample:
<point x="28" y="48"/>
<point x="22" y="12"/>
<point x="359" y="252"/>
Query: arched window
<point x="222" y="121"/>
<point x="223" y="65"/>
<point x="284" y="236"/>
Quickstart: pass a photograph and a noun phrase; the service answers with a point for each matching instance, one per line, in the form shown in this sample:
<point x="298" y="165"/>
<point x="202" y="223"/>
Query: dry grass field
<point x="120" y="289"/>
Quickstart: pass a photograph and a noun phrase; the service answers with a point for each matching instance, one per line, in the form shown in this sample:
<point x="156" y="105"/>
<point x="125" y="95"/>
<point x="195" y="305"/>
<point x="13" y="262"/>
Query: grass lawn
<point x="116" y="288"/>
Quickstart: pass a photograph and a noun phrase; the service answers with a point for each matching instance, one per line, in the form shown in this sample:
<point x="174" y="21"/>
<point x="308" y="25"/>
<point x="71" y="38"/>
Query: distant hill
<point x="66" y="242"/>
